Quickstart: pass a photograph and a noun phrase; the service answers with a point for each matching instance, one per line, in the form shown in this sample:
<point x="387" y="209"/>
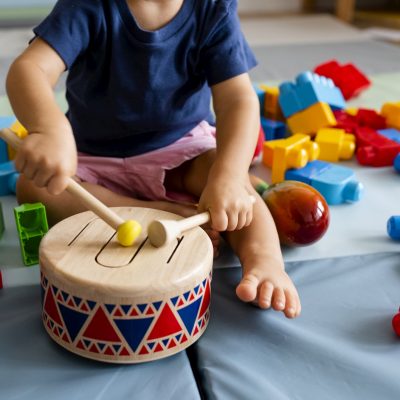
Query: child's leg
<point x="65" y="205"/>
<point x="257" y="246"/>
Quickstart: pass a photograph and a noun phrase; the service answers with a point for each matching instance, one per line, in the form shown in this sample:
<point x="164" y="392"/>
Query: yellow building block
<point x="21" y="132"/>
<point x="272" y="109"/>
<point x="352" y="111"/>
<point x="335" y="144"/>
<point x="391" y="111"/>
<point x="293" y="152"/>
<point x="310" y="120"/>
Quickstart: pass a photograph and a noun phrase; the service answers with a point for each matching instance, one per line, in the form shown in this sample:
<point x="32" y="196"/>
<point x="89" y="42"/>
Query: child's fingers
<point x="57" y="184"/>
<point x="219" y="219"/>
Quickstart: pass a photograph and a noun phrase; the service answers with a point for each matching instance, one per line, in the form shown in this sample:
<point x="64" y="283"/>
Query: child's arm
<point x="227" y="193"/>
<point x="48" y="155"/>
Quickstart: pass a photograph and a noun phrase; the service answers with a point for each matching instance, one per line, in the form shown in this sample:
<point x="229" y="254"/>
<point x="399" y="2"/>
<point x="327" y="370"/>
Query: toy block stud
<point x="32" y="225"/>
<point x="393" y="227"/>
<point x="391" y="111"/>
<point x="335" y="144"/>
<point x="293" y="152"/>
<point x="312" y="119"/>
<point x="2" y="227"/>
<point x="370" y="118"/>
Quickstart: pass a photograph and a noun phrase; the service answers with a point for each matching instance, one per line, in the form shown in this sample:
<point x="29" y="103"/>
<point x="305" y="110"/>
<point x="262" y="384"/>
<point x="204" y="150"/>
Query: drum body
<point x="124" y="304"/>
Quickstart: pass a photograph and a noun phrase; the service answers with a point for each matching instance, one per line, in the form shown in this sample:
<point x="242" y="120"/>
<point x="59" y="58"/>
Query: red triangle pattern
<point x="118" y="312"/>
<point x="134" y="312"/>
<point x="51" y="308"/>
<point x="80" y="345"/>
<point x="101" y="329"/>
<point x="206" y="300"/>
<point x="143" y="351"/>
<point x="93" y="348"/>
<point x="171" y="344"/>
<point x="158" y="348"/>
<point x="166" y="324"/>
<point x="124" y="352"/>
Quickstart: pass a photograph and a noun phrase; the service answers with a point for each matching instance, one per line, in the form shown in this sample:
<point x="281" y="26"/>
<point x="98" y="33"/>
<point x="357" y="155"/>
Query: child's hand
<point x="48" y="159"/>
<point x="228" y="199"/>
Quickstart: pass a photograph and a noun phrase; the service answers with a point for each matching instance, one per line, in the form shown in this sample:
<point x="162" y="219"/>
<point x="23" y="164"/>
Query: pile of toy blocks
<point x="308" y="130"/>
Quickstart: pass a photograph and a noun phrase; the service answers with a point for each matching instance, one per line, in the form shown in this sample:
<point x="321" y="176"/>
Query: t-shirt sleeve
<point x="226" y="53"/>
<point x="69" y="28"/>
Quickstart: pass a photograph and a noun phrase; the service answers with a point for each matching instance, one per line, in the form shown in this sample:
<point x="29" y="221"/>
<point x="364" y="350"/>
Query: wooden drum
<point x="124" y="304"/>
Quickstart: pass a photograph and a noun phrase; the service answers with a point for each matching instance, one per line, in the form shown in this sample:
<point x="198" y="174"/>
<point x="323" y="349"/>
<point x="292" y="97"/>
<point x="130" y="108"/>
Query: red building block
<point x="345" y="121"/>
<point x="374" y="149"/>
<point x="350" y="80"/>
<point x="371" y="119"/>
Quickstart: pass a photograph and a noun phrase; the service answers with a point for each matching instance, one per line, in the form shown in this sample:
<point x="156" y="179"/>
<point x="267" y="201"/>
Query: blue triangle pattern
<point x="101" y="345"/>
<point x="64" y="295"/>
<point x="133" y="330"/>
<point x="116" y="347"/>
<point x="151" y="345"/>
<point x="87" y="342"/>
<point x="91" y="304"/>
<point x="142" y="307"/>
<point x="126" y="308"/>
<point x="110" y="308"/>
<point x="186" y="295"/>
<point x="189" y="314"/>
<point x="174" y="300"/>
<point x="165" y="341"/>
<point x="73" y="320"/>
<point x="55" y="290"/>
<point x="77" y="300"/>
<point x="178" y="337"/>
<point x="157" y="304"/>
<point x="196" y="289"/>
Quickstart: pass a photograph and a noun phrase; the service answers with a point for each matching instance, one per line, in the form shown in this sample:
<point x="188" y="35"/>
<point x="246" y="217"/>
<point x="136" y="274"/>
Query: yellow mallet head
<point x="128" y="232"/>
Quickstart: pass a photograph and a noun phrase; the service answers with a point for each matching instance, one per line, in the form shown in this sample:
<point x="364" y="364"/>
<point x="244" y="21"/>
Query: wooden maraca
<point x="127" y="231"/>
<point x="300" y="212"/>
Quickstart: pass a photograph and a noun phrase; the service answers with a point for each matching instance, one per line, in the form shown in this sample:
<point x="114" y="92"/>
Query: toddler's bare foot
<point x="266" y="283"/>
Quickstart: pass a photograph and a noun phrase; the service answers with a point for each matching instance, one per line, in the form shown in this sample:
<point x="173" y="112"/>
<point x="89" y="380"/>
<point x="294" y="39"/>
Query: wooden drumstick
<point x="127" y="231"/>
<point x="161" y="232"/>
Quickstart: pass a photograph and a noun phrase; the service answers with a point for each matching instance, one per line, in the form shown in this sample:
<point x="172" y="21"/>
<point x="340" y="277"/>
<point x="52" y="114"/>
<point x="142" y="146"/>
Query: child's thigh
<point x="192" y="175"/>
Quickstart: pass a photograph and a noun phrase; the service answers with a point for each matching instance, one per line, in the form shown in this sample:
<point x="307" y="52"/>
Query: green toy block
<point x="1" y="221"/>
<point x="32" y="225"/>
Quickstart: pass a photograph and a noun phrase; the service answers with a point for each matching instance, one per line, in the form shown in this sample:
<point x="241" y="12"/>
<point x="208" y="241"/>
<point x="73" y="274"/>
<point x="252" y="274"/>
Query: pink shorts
<point x="142" y="176"/>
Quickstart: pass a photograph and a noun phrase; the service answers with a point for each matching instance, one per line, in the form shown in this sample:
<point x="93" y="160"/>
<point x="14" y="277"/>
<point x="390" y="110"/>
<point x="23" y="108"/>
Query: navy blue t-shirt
<point x="131" y="91"/>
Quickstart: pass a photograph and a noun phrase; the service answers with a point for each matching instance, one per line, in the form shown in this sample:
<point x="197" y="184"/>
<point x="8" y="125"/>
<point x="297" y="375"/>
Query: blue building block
<point x="31" y="221"/>
<point x="396" y="163"/>
<point x="273" y="129"/>
<point x="8" y="178"/>
<point x="309" y="89"/>
<point x="393" y="227"/>
<point x="391" y="133"/>
<point x="261" y="98"/>
<point x="336" y="183"/>
<point x="5" y="122"/>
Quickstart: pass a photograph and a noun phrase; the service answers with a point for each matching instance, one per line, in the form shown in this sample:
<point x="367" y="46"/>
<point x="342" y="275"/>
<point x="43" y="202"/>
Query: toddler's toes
<point x="265" y="295"/>
<point x="291" y="305"/>
<point x="247" y="288"/>
<point x="278" y="299"/>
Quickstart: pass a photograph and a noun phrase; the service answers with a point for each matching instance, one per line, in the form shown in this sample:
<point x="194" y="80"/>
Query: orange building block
<point x="335" y="144"/>
<point x="293" y="152"/>
<point x="21" y="132"/>
<point x="310" y="120"/>
<point x="391" y="111"/>
<point x="272" y="109"/>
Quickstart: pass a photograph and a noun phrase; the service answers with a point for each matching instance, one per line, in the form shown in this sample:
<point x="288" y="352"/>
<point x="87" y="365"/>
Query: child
<point x="141" y="77"/>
